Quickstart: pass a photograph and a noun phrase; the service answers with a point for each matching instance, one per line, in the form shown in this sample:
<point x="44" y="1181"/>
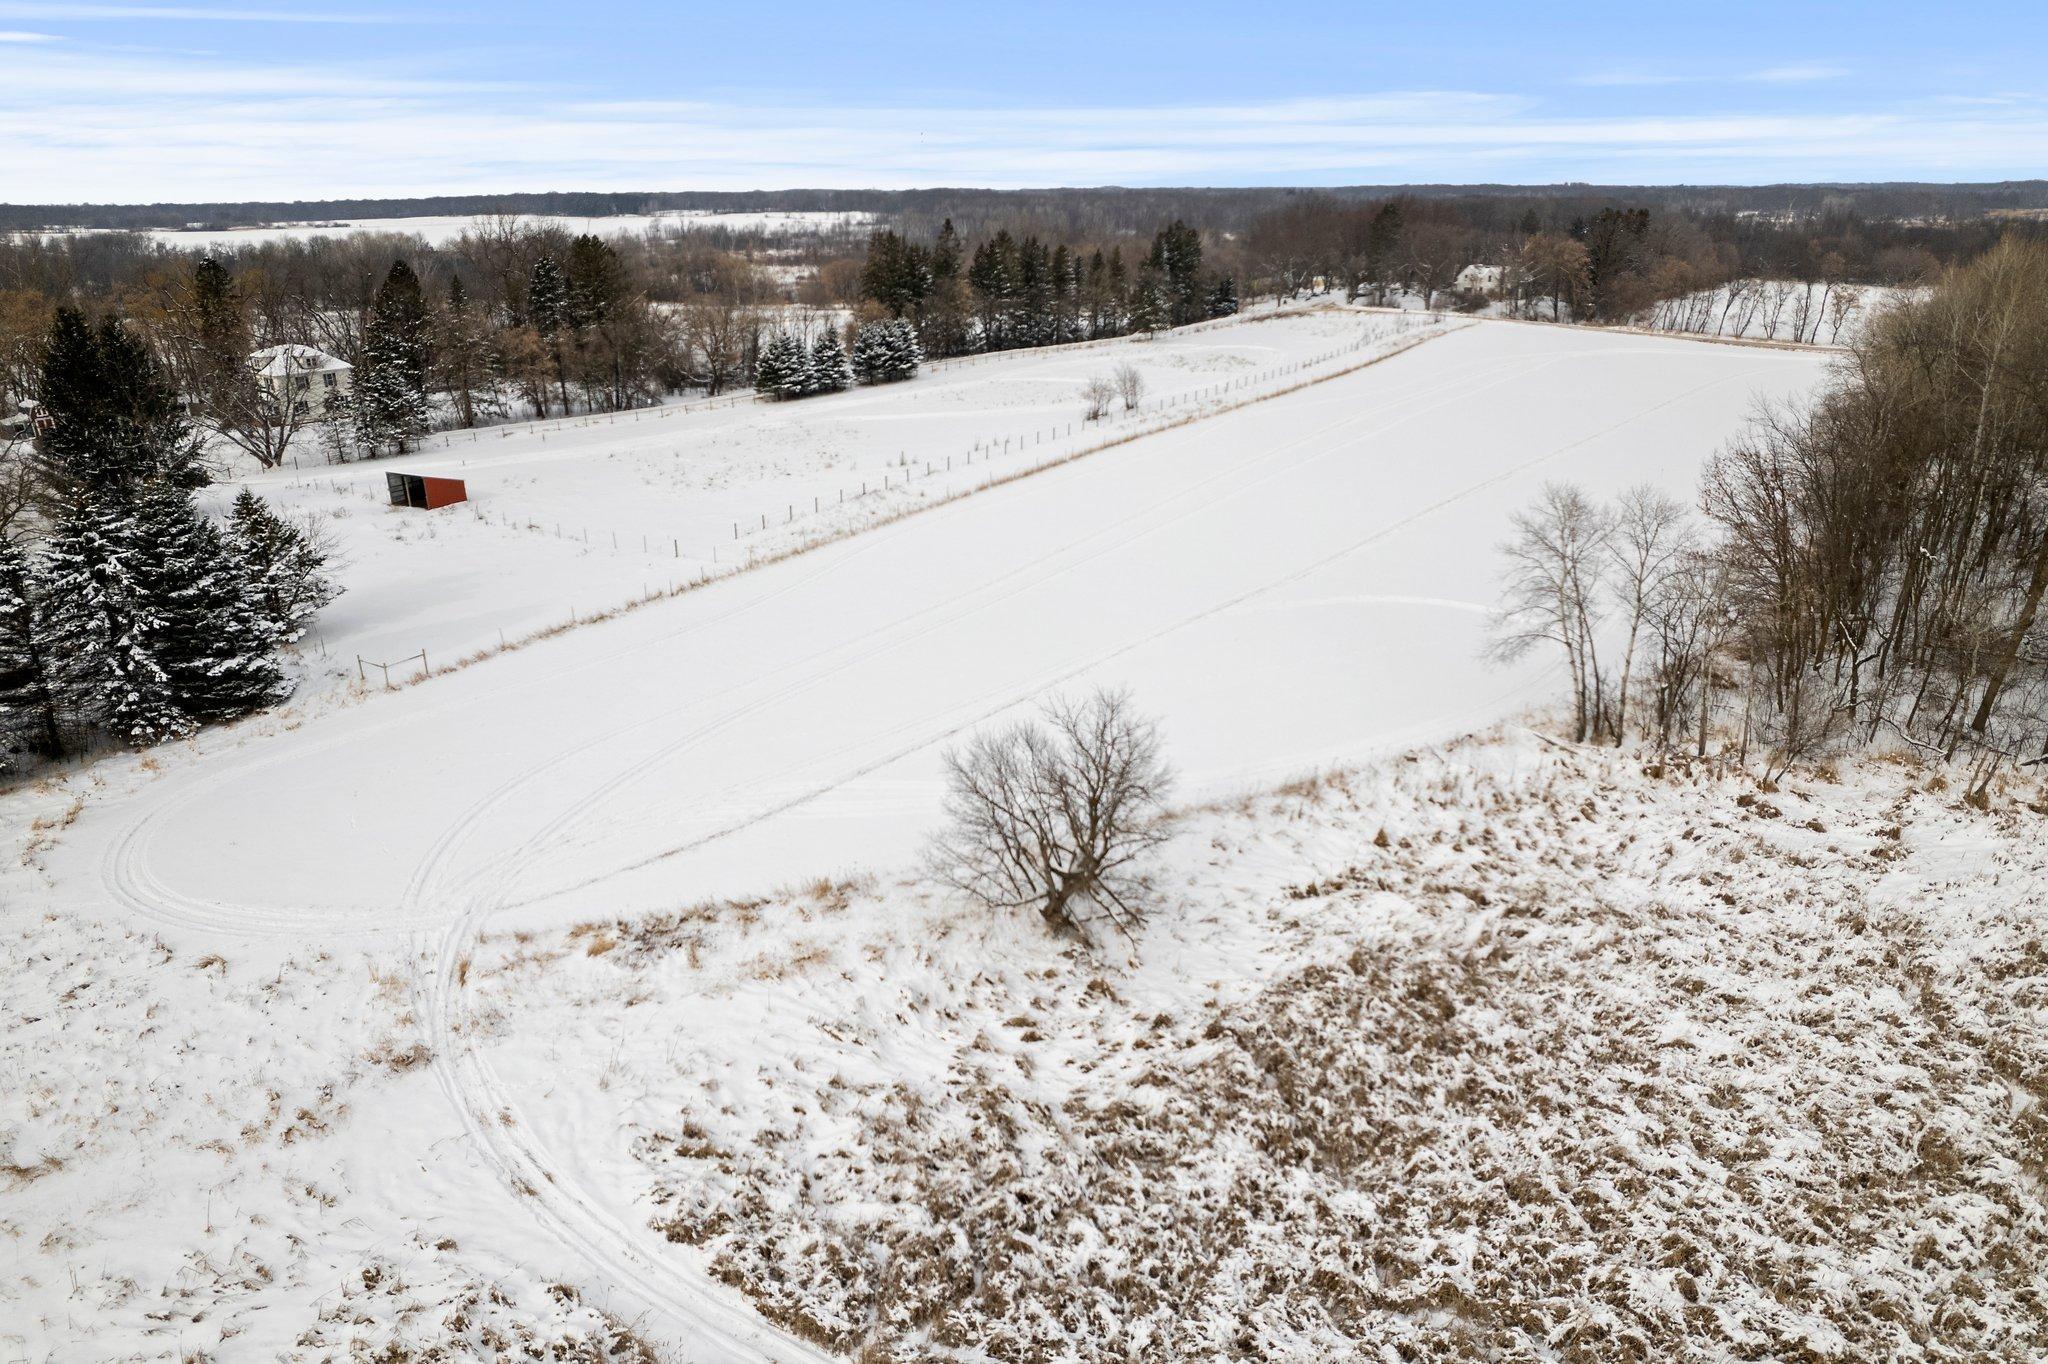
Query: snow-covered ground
<point x="310" y="1042"/>
<point x="1493" y="1052"/>
<point x="573" y="517"/>
<point x="1776" y="310"/>
<point x="438" y="231"/>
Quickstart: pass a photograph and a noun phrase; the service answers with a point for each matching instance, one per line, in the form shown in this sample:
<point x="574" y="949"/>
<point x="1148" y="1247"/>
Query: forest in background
<point x="1069" y="212"/>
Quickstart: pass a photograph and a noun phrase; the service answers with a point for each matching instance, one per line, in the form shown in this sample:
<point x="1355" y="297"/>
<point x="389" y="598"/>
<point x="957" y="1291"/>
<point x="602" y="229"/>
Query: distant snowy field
<point x="439" y="231"/>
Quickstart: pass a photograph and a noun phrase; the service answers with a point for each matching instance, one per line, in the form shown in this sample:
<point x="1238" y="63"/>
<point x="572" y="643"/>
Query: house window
<point x="329" y="379"/>
<point x="302" y="383"/>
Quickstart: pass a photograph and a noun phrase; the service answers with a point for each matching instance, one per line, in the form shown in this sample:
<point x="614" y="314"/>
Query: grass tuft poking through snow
<point x="1501" y="1051"/>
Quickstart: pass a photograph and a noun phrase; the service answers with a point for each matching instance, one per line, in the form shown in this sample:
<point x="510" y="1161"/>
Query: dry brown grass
<point x="1477" y="1134"/>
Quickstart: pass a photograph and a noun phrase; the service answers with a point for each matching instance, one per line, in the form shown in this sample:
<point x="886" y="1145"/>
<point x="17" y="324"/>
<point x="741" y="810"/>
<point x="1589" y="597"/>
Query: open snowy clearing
<point x="1331" y="547"/>
<point x="271" y="1109"/>
<point x="572" y="517"/>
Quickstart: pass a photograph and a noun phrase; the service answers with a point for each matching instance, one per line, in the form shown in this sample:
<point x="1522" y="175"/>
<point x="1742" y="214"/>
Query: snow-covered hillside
<point x="1493" y="1050"/>
<point x="1802" y="312"/>
<point x="311" y="1045"/>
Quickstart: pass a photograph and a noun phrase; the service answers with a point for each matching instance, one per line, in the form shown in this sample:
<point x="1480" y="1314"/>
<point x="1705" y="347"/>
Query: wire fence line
<point x="449" y="438"/>
<point x="751" y="550"/>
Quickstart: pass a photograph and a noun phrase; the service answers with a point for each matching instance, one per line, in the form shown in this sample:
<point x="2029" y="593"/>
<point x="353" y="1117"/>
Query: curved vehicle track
<point x="1183" y="487"/>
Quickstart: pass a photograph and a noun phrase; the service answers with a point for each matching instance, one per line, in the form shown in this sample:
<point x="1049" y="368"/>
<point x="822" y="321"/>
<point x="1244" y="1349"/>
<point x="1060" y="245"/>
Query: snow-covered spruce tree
<point x="828" y="363"/>
<point x="391" y="380"/>
<point x="872" y="346"/>
<point x="784" y="369"/>
<point x="1148" y="304"/>
<point x="117" y="421"/>
<point x="284" y="569"/>
<point x="906" y="355"/>
<point x="97" y="627"/>
<point x="28" y="705"/>
<point x="206" y="628"/>
<point x="1223" y="298"/>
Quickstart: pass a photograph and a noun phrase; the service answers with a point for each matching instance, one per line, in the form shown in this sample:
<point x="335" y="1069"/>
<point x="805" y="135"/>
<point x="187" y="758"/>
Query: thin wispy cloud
<point x="1812" y="71"/>
<point x="90" y="121"/>
<point x="1632" y="78"/>
<point x="255" y="136"/>
<point x="1771" y="75"/>
<point x="15" y="36"/>
<point x="35" y="9"/>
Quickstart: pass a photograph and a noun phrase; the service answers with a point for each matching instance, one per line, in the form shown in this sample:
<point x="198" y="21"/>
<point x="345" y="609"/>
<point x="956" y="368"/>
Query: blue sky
<point x="146" y="100"/>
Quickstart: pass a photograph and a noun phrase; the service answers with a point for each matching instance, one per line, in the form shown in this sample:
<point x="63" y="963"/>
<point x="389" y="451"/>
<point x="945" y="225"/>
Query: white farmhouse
<point x="1483" y="280"/>
<point x="302" y="374"/>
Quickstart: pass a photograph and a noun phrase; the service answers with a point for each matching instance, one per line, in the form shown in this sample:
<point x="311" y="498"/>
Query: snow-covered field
<point x="592" y="992"/>
<point x="574" y="517"/>
<point x="438" y="231"/>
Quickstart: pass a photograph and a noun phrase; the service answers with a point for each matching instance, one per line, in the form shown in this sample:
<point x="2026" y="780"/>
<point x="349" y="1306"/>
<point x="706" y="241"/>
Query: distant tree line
<point x="1076" y="214"/>
<point x="514" y="318"/>
<point x="1008" y="292"/>
<point x="1571" y="259"/>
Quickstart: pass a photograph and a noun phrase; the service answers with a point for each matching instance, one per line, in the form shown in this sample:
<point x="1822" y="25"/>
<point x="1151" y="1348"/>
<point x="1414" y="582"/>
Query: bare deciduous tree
<point x="1552" y="592"/>
<point x="1055" y="813"/>
<point x="1130" y="385"/>
<point x="1649" y="536"/>
<point x="1098" y="393"/>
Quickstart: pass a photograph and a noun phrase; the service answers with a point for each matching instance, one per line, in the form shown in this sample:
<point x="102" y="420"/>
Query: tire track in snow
<point x="620" y="1253"/>
<point x="474" y="1084"/>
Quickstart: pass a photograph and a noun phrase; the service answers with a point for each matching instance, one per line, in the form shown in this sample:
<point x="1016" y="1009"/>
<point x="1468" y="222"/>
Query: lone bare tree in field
<point x="1098" y="393"/>
<point x="1130" y="385"/>
<point x="1054" y="813"/>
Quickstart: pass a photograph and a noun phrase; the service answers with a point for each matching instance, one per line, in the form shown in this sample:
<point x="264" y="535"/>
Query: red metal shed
<point x="425" y="490"/>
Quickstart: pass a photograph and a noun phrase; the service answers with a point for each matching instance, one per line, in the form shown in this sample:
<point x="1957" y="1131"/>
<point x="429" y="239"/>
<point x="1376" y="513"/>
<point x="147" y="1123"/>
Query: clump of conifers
<point x="883" y="353"/>
<point x="125" y="611"/>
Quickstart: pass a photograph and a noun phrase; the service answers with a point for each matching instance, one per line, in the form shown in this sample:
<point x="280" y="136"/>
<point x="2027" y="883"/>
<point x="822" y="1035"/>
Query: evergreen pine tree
<point x="547" y="297"/>
<point x="886" y="352"/>
<point x="391" y="380"/>
<point x="597" y="281"/>
<point x="942" y="321"/>
<point x="1223" y="298"/>
<point x="118" y="423"/>
<point x="285" y="571"/>
<point x="28" y="706"/>
<point x="1176" y="264"/>
<point x="462" y="353"/>
<point x="904" y="353"/>
<point x="1147" y="311"/>
<point x="828" y="363"/>
<point x="1116" y="303"/>
<point x="97" y="625"/>
<point x="772" y="367"/>
<point x="204" y="627"/>
<point x="873" y="348"/>
<point x="784" y="369"/>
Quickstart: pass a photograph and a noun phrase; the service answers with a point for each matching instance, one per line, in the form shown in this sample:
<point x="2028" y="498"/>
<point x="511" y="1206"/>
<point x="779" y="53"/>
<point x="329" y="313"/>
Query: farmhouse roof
<point x="277" y="362"/>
